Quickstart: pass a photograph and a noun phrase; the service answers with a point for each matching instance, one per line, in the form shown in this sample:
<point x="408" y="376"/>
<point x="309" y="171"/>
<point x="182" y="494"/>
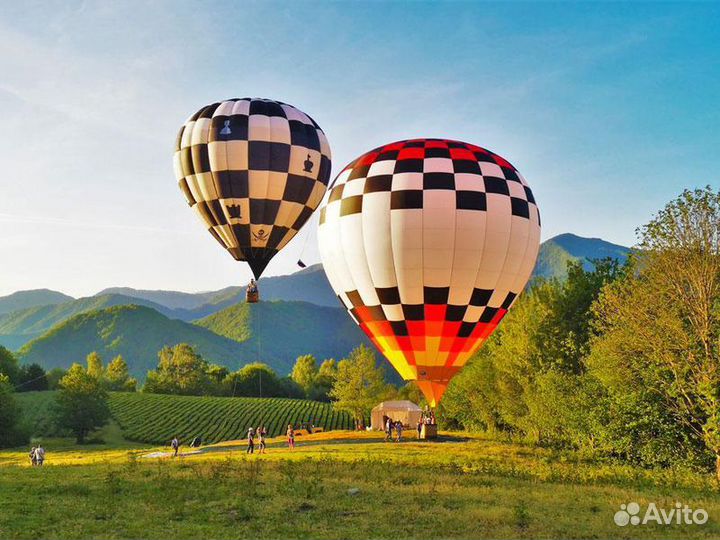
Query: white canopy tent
<point x="405" y="411"/>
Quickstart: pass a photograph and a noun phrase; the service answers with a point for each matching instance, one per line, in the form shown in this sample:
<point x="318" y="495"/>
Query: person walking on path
<point x="291" y="437"/>
<point x="251" y="441"/>
<point x="175" y="445"/>
<point x="262" y="433"/>
<point x="388" y="430"/>
<point x="39" y="455"/>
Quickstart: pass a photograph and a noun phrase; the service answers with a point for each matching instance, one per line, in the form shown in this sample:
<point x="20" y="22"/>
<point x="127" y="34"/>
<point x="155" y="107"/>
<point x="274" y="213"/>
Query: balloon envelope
<point x="254" y="170"/>
<point x="428" y="243"/>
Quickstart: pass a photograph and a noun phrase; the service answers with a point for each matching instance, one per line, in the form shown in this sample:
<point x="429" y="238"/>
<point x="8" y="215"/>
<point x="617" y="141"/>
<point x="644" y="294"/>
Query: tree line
<point x="621" y="360"/>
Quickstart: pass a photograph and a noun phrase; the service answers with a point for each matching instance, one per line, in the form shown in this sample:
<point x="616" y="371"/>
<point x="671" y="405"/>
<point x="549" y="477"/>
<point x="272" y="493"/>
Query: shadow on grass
<point x="299" y="442"/>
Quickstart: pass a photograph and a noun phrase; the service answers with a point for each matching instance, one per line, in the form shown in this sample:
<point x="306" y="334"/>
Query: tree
<point x="180" y="370"/>
<point x="411" y="392"/>
<point x="360" y="384"/>
<point x="328" y="370"/>
<point x="32" y="378"/>
<point x="217" y="373"/>
<point x="253" y="380"/>
<point x="117" y="376"/>
<point x="53" y="377"/>
<point x="81" y="403"/>
<point x="324" y="380"/>
<point x="304" y="372"/>
<point x="9" y="414"/>
<point x="95" y="366"/>
<point x="290" y="389"/>
<point x="520" y="380"/>
<point x="8" y="365"/>
<point x="658" y="349"/>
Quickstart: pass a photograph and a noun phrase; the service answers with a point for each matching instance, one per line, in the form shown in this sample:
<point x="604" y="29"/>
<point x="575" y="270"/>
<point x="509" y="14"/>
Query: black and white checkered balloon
<point x="254" y="170"/>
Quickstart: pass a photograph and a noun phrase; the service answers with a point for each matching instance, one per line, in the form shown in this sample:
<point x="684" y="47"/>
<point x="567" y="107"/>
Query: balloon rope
<point x="305" y="242"/>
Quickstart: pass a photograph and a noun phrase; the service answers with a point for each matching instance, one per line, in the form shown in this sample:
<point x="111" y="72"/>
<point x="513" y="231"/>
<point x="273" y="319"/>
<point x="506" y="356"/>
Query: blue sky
<point x="609" y="111"/>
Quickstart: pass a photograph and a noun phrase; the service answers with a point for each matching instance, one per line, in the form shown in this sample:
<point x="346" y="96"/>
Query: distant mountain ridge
<point x="310" y="285"/>
<point x="307" y="285"/>
<point x="29" y="299"/>
<point x="20" y="327"/>
<point x="556" y="252"/>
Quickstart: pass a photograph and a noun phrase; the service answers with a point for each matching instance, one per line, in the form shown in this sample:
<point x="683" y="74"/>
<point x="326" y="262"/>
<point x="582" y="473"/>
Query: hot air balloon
<point x="254" y="171"/>
<point x="427" y="243"/>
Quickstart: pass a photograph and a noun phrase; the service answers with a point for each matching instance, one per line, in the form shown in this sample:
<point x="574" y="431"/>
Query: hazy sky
<point x="609" y="110"/>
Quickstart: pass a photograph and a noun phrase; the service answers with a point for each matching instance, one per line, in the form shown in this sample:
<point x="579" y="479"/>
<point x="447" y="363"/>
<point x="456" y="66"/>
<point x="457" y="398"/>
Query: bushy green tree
<point x="53" y="378"/>
<point x="31" y="378"/>
<point x="305" y="372"/>
<point x="520" y="380"/>
<point x="10" y="434"/>
<point x="81" y="403"/>
<point x="359" y="384"/>
<point x="658" y="348"/>
<point x="95" y="366"/>
<point x="411" y="392"/>
<point x="315" y="382"/>
<point x="9" y="365"/>
<point x="253" y="380"/>
<point x="324" y="381"/>
<point x="290" y="388"/>
<point x="117" y="376"/>
<point x="217" y="373"/>
<point x="180" y="370"/>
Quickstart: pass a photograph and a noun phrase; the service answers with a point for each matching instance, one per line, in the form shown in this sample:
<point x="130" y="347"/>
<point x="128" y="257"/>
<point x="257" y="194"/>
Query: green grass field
<point x="337" y="485"/>
<point x="156" y="419"/>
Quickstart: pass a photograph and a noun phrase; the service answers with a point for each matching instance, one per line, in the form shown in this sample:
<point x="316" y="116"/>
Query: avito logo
<point x="682" y="514"/>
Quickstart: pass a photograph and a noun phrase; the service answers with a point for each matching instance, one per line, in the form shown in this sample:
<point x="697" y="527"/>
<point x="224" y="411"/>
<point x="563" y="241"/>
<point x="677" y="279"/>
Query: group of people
<point x="255" y="435"/>
<point x="428" y="417"/>
<point x="37" y="456"/>
<point x="261" y="434"/>
<point x="391" y="426"/>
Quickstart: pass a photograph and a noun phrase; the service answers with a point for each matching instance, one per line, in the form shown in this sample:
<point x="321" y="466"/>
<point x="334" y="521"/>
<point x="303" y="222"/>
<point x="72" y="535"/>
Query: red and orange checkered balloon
<point x="427" y="243"/>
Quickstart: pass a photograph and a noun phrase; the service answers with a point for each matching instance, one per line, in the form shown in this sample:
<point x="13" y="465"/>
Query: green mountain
<point x="136" y="332"/>
<point x="284" y="330"/>
<point x="175" y="300"/>
<point x="557" y="251"/>
<point x="28" y="299"/>
<point x="20" y="327"/>
<point x="272" y="332"/>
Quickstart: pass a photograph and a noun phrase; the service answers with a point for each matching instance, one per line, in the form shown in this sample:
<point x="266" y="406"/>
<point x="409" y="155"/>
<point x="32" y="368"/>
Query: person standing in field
<point x="39" y="455"/>
<point x="419" y="428"/>
<point x="32" y="456"/>
<point x="262" y="433"/>
<point x="291" y="437"/>
<point x="175" y="445"/>
<point x="251" y="441"/>
<point x="398" y="430"/>
<point x="388" y="430"/>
